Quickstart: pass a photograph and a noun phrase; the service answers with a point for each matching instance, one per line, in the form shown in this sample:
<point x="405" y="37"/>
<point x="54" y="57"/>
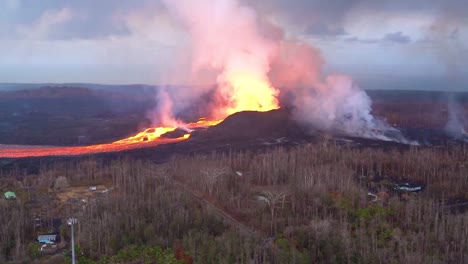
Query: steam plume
<point x="163" y="113"/>
<point x="225" y="36"/>
<point x="331" y="103"/>
<point x="456" y="122"/>
<point x="251" y="61"/>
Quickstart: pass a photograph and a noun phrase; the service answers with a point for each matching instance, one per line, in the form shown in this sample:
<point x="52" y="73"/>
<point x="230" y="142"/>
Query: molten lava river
<point x="149" y="138"/>
<point x="246" y="91"/>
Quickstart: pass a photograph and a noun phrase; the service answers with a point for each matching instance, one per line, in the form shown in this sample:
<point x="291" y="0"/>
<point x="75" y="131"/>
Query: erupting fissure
<point x="148" y="138"/>
<point x="231" y="44"/>
<point x="252" y="61"/>
<point x="157" y="133"/>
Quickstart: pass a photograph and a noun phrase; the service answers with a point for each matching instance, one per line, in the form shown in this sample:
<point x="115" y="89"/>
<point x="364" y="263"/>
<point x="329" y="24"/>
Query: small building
<point x="409" y="187"/>
<point x="48" y="238"/>
<point x="10" y="195"/>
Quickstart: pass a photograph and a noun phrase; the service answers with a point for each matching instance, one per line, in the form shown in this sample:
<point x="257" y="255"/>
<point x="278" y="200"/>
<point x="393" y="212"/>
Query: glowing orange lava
<point x="155" y="133"/>
<point x="22" y="151"/>
<point x="245" y="93"/>
<point x="203" y="123"/>
<point x="150" y="134"/>
<point x="150" y="137"/>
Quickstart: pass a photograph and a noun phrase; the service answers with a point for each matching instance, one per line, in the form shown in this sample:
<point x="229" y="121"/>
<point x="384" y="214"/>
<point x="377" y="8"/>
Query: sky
<point x="383" y="44"/>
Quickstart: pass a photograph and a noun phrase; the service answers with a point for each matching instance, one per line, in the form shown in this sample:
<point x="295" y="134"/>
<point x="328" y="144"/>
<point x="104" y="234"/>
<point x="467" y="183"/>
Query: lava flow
<point x="241" y="61"/>
<point x="22" y="151"/>
<point x="253" y="99"/>
<point x="155" y="134"/>
<point x="148" y="138"/>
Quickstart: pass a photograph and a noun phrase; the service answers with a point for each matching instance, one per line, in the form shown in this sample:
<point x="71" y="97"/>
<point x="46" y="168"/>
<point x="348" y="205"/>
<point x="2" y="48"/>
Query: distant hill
<point x="59" y="115"/>
<point x="133" y="88"/>
<point x="415" y="95"/>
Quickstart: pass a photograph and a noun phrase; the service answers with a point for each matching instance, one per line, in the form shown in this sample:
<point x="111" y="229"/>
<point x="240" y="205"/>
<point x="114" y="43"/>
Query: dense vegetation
<point x="308" y="204"/>
<point x="142" y="254"/>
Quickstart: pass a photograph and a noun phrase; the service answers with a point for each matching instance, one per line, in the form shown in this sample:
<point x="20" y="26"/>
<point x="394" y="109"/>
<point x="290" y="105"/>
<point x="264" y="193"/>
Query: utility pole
<point x="72" y="221"/>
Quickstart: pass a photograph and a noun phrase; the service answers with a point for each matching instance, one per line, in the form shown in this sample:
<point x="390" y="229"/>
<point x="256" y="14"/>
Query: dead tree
<point x="273" y="199"/>
<point x="210" y="177"/>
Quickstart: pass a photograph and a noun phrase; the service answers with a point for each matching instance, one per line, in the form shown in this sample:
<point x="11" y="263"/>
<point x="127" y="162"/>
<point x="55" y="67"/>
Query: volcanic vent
<point x="254" y="64"/>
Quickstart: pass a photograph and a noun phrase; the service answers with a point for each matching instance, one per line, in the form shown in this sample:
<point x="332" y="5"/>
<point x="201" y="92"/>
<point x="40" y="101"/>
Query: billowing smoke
<point x="330" y="103"/>
<point x="337" y="104"/>
<point x="163" y="114"/>
<point x="457" y="120"/>
<point x="225" y="37"/>
<point x="256" y="67"/>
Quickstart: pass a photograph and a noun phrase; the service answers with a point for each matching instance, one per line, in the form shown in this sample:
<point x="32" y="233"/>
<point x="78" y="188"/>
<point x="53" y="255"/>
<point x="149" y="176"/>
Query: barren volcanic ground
<point x="77" y="117"/>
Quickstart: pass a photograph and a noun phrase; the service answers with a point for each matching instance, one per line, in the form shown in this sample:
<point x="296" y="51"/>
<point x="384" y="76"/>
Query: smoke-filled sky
<point x="383" y="44"/>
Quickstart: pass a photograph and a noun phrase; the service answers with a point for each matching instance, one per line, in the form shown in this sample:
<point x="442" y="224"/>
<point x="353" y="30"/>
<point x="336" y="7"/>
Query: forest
<point x="316" y="203"/>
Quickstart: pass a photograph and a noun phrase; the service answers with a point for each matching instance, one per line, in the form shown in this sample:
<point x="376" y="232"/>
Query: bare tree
<point x="273" y="199"/>
<point x="210" y="176"/>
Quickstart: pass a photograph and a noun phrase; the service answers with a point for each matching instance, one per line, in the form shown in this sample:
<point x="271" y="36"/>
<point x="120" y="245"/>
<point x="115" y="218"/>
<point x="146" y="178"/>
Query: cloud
<point x="97" y="19"/>
<point x="46" y="23"/>
<point x="304" y="12"/>
<point x="355" y="39"/>
<point x="125" y="33"/>
<point x="41" y="52"/>
<point x="323" y="29"/>
<point x="12" y="4"/>
<point x="455" y="33"/>
<point x="91" y="19"/>
<point x="397" y="37"/>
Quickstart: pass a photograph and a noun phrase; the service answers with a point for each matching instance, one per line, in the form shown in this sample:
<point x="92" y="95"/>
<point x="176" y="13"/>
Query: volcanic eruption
<point x="255" y="66"/>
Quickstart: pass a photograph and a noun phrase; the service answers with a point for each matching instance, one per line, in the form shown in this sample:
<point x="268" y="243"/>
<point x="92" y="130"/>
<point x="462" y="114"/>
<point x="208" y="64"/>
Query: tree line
<point x="312" y="201"/>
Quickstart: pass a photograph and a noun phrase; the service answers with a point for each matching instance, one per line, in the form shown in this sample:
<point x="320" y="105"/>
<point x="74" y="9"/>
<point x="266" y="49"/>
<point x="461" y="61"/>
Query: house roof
<point x="49" y="237"/>
<point x="9" y="195"/>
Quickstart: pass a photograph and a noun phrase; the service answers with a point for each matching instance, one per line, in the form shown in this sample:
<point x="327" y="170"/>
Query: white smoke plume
<point x="330" y="103"/>
<point x="255" y="65"/>
<point x="457" y="120"/>
<point x="163" y="114"/>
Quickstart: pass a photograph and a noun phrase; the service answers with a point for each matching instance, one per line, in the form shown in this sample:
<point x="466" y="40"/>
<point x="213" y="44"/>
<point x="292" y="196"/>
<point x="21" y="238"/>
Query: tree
<point x="272" y="199"/>
<point x="210" y="176"/>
